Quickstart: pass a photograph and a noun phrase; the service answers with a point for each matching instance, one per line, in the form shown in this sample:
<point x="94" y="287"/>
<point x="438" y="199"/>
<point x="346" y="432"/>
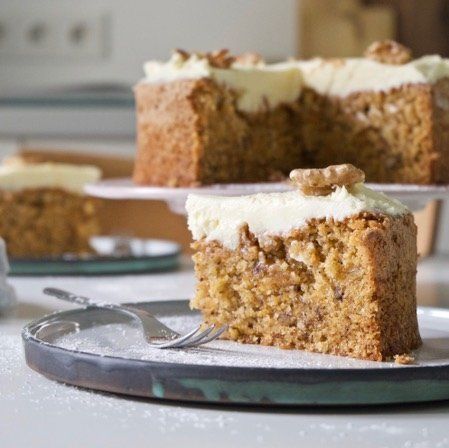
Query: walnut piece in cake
<point x="322" y="181"/>
<point x="388" y="52"/>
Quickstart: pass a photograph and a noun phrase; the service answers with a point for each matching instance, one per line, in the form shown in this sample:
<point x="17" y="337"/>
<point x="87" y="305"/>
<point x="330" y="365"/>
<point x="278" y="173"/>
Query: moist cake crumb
<point x="44" y="211"/>
<point x="212" y="118"/>
<point x="343" y="284"/>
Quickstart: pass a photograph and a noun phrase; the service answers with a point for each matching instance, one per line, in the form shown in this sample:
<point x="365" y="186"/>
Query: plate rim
<point x="27" y="335"/>
<point x="99" y="265"/>
<point x="231" y="385"/>
<point x="177" y="249"/>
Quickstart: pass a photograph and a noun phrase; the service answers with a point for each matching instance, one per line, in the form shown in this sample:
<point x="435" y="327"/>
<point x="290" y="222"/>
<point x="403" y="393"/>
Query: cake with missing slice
<point x="215" y="118"/>
<point x="329" y="267"/>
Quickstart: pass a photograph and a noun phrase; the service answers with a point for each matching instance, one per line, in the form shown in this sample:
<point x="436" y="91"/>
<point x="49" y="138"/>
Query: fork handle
<point x="79" y="300"/>
<point x="145" y="318"/>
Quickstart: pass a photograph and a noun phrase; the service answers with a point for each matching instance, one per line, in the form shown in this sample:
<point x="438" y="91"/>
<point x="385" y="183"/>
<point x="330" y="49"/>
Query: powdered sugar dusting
<point x="126" y="341"/>
<point x="37" y="410"/>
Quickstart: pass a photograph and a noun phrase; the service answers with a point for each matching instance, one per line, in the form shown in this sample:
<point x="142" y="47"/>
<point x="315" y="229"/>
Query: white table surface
<point x="37" y="412"/>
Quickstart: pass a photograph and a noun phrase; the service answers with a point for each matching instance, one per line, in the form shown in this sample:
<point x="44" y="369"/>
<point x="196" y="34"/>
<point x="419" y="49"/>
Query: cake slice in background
<point x="330" y="267"/>
<point x="214" y="118"/>
<point x="43" y="209"/>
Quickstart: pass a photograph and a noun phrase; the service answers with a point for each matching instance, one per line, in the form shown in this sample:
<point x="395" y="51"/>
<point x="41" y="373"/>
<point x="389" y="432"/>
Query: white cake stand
<point x="414" y="196"/>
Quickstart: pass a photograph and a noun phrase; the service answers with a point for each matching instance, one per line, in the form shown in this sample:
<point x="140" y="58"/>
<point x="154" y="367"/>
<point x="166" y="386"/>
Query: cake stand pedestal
<point x="415" y="197"/>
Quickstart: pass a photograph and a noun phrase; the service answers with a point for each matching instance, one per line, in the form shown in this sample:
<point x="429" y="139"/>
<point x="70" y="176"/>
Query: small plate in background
<point x="114" y="255"/>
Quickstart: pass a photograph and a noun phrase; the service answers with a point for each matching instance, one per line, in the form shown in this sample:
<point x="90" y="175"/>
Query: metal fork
<point x="153" y="329"/>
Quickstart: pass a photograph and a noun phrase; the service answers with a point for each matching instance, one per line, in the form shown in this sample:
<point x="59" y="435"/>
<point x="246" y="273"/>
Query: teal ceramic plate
<point x="114" y="255"/>
<point x="105" y="351"/>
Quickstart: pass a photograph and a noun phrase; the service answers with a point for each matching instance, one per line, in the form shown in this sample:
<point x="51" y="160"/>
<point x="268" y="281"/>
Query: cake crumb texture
<point x="47" y="222"/>
<point x="190" y="132"/>
<point x="404" y="359"/>
<point x="339" y="287"/>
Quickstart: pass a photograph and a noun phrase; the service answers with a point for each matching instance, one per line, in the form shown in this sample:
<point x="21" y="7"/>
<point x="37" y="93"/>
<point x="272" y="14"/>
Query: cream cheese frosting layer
<point x="345" y="76"/>
<point x="20" y="176"/>
<point x="218" y="218"/>
<point x="257" y="86"/>
<point x="260" y="84"/>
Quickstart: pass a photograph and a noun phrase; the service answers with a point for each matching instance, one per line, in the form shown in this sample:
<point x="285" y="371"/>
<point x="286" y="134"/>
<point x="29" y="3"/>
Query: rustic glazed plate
<point x="134" y="256"/>
<point x="412" y="195"/>
<point x="104" y="350"/>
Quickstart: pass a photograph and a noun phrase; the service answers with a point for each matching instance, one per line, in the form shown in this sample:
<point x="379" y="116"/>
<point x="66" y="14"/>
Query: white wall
<point x="145" y="29"/>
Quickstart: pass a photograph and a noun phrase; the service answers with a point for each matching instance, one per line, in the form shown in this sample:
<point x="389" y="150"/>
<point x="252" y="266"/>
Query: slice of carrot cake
<point x="329" y="267"/>
<point x="43" y="209"/>
<point x="211" y="118"/>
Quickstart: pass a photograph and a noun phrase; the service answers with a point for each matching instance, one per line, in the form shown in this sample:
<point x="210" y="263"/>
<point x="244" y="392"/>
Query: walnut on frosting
<point x="388" y="52"/>
<point x="321" y="182"/>
<point x="250" y="59"/>
<point x="218" y="59"/>
<point x="223" y="58"/>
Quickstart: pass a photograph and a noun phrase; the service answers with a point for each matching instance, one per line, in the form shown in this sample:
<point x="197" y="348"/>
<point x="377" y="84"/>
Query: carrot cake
<point x="329" y="267"/>
<point x="214" y="118"/>
<point x="43" y="209"/>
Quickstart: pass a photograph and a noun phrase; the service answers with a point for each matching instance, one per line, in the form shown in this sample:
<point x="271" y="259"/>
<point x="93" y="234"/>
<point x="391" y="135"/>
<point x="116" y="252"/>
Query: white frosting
<point x="341" y="78"/>
<point x="257" y="86"/>
<point x="19" y="176"/>
<point x="221" y="218"/>
<point x="273" y="84"/>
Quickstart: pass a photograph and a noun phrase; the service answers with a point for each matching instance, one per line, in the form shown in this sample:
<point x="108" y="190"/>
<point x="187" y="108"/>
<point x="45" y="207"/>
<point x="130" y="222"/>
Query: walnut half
<point x="388" y="52"/>
<point x="321" y="182"/>
<point x="218" y="59"/>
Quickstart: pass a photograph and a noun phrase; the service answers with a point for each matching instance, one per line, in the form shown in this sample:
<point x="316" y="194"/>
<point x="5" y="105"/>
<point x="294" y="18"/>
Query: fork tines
<point x="193" y="338"/>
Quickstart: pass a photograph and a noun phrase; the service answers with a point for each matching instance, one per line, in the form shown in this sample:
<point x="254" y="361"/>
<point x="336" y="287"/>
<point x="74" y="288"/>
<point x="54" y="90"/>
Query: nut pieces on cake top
<point x="322" y="181"/>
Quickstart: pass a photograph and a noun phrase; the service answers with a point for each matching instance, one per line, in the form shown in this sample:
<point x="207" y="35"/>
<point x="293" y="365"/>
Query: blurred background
<point x="67" y="69"/>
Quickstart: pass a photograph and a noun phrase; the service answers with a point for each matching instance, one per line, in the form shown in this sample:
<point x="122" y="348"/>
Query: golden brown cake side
<point x="168" y="143"/>
<point x="47" y="222"/>
<point x="394" y="135"/>
<point x="190" y="132"/>
<point x="393" y="256"/>
<point x="440" y="122"/>
<point x="339" y="287"/>
<point x="206" y="118"/>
